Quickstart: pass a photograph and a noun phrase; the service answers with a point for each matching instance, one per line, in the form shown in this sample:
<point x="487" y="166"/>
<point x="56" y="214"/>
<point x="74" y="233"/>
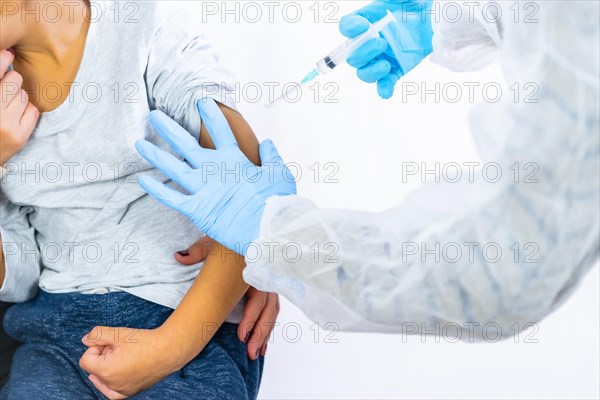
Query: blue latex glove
<point x="401" y="47"/>
<point x="227" y="191"/>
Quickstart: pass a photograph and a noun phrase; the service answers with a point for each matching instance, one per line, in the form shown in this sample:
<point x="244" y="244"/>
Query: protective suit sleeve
<point x="21" y="253"/>
<point x="183" y="66"/>
<point x="467" y="34"/>
<point x="504" y="248"/>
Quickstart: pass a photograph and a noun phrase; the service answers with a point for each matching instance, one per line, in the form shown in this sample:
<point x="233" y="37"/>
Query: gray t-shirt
<point x="73" y="218"/>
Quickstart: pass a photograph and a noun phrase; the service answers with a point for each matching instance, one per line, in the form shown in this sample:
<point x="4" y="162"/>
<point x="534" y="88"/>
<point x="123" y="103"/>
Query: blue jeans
<point x="7" y="348"/>
<point x="51" y="326"/>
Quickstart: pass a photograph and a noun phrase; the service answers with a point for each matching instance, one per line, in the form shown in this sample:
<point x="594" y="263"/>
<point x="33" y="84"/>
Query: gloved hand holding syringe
<point x="339" y="55"/>
<point x="388" y="38"/>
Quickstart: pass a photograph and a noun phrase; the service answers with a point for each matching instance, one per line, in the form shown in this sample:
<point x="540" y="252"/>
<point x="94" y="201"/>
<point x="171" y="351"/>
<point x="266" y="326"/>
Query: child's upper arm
<point x="241" y="130"/>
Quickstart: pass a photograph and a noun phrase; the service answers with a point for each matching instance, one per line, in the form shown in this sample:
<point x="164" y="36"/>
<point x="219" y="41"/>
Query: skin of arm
<point x="220" y="285"/>
<point x="122" y="361"/>
<point x="216" y="291"/>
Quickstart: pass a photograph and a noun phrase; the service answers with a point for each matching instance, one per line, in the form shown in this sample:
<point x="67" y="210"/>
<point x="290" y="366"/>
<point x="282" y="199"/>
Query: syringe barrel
<point x="344" y="51"/>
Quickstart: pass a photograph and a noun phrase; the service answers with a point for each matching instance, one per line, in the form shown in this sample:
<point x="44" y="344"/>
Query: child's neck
<point x="51" y="53"/>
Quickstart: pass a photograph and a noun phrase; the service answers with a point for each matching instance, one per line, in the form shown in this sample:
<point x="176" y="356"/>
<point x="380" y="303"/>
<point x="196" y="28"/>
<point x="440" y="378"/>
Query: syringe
<point x="339" y="55"/>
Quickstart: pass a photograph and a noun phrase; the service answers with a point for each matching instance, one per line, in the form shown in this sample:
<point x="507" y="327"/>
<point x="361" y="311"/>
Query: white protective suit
<point x="361" y="271"/>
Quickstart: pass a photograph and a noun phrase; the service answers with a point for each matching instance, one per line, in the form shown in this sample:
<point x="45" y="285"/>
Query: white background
<point x="366" y="137"/>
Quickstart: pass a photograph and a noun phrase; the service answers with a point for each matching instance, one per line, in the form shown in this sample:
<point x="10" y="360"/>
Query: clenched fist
<point x="18" y="116"/>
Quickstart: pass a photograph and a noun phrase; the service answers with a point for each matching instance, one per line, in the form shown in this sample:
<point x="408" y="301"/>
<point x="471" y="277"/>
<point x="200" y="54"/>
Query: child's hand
<point x="122" y="361"/>
<point x="19" y="117"/>
<point x="260" y="312"/>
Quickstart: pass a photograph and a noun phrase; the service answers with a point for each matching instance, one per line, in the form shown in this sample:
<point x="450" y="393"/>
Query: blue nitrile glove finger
<point x="167" y="163"/>
<point x="161" y="192"/>
<point x="269" y="154"/>
<point x="376" y="70"/>
<point x="216" y="123"/>
<point x="368" y="52"/>
<point x="359" y="21"/>
<point x="227" y="206"/>
<point x="177" y="137"/>
<point x="353" y="25"/>
<point x="385" y="86"/>
<point x="409" y="40"/>
<point x="270" y="157"/>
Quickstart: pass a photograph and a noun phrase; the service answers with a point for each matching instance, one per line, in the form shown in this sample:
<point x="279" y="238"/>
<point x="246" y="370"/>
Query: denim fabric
<point x="51" y="326"/>
<point x="7" y="348"/>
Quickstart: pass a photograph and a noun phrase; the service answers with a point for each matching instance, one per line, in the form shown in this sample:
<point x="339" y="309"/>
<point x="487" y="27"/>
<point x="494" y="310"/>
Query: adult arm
<point x="388" y="271"/>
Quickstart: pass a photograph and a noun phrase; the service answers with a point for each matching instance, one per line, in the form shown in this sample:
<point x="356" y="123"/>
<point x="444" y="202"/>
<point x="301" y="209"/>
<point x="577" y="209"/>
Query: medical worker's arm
<point x="493" y="255"/>
<point x="496" y="251"/>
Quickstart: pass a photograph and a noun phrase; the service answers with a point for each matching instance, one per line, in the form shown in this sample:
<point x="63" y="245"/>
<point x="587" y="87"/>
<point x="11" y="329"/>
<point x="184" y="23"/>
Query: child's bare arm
<point x="219" y="286"/>
<point x="123" y="368"/>
<point x="241" y="130"/>
<point x="216" y="291"/>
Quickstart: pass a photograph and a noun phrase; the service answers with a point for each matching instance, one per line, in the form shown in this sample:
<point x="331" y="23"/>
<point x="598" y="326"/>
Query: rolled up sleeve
<point x="183" y="67"/>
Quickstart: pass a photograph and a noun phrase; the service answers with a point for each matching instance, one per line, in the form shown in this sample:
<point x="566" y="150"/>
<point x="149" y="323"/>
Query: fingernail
<point x="183" y="253"/>
<point x="247" y="337"/>
<point x="11" y="51"/>
<point x="256" y="356"/>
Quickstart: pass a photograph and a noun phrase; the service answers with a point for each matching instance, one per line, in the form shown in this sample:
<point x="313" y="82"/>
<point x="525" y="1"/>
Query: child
<point x="75" y="222"/>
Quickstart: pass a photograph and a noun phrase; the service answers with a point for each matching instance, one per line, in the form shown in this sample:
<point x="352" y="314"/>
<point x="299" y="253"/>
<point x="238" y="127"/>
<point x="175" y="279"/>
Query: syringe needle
<point x="341" y="54"/>
<point x="295" y="87"/>
<point x="277" y="99"/>
<point x="284" y="94"/>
